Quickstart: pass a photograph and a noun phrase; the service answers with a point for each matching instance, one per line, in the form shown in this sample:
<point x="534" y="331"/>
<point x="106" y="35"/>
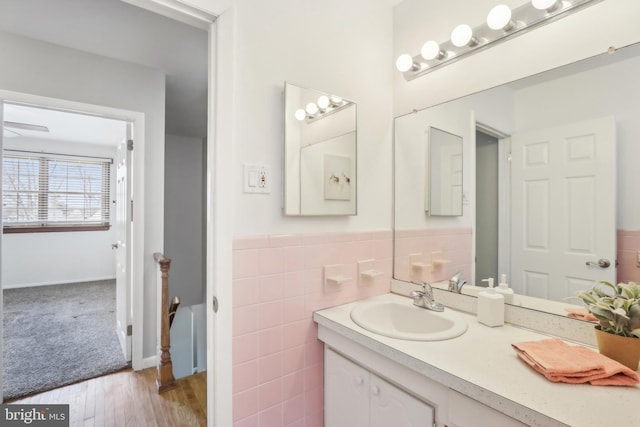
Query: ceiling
<point x="61" y="126"/>
<point x="124" y="32"/>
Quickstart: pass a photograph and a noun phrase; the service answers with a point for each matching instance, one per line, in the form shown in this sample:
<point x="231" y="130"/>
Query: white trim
<point x="178" y="11"/>
<point x="149" y="362"/>
<point x="138" y="119"/>
<point x="220" y="163"/>
<point x="58" y="282"/>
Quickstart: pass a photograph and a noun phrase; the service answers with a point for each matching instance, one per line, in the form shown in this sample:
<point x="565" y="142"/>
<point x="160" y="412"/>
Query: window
<point x="49" y="192"/>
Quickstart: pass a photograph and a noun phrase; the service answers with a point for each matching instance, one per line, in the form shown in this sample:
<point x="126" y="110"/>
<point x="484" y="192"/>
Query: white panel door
<point x="563" y="212"/>
<point x="122" y="246"/>
<point x="391" y="406"/>
<point x="346" y="392"/>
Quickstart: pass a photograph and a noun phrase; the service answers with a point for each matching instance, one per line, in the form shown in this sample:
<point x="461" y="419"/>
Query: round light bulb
<point x="431" y="50"/>
<point x="323" y="102"/>
<point x="461" y="35"/>
<point x="335" y="99"/>
<point x="404" y="62"/>
<point x="300" y="114"/>
<point x="547" y="5"/>
<point x="499" y="17"/>
<point x="311" y="109"/>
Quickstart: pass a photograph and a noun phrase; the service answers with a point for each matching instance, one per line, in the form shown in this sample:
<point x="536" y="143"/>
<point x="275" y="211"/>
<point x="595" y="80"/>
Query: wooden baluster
<point x="165" y="380"/>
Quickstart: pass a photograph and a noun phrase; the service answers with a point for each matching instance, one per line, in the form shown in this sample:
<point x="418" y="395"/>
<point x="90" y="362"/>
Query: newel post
<point x="165" y="380"/>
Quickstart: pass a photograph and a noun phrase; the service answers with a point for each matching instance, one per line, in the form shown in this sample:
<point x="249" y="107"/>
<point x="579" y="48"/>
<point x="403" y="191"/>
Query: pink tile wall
<point x="454" y="243"/>
<point x="628" y="247"/>
<point x="277" y="284"/>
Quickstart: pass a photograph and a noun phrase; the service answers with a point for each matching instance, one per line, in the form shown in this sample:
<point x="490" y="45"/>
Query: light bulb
<point x="300" y="114"/>
<point x="499" y="18"/>
<point x="405" y="63"/>
<point x="431" y="50"/>
<point x="312" y="109"/>
<point x="323" y="102"/>
<point x="548" y="5"/>
<point x="462" y="35"/>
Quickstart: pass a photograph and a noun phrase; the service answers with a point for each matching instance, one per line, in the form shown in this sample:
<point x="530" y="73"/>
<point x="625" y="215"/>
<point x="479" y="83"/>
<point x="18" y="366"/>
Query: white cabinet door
<point x="346" y="392"/>
<point x="391" y="406"/>
<point x="354" y="397"/>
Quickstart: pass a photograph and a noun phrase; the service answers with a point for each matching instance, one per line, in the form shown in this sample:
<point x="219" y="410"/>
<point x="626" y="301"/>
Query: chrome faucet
<point x="424" y="298"/>
<point x="455" y="285"/>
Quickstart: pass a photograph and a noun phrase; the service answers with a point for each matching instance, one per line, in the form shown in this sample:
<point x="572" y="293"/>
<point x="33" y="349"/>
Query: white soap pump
<point x="504" y="289"/>
<point x="490" y="306"/>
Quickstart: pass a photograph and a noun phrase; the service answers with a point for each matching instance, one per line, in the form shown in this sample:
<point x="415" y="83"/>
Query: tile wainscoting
<point x="628" y="247"/>
<point x="277" y="285"/>
<point x="454" y="245"/>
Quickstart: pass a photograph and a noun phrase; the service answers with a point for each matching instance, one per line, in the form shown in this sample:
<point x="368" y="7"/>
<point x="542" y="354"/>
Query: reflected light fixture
<point x="311" y="109"/>
<point x="300" y="114"/>
<point x="323" y="102"/>
<point x="499" y="18"/>
<point x="501" y="23"/>
<point x="325" y="105"/>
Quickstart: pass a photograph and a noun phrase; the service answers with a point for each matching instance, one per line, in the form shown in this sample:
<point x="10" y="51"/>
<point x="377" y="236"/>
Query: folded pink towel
<point x="561" y="362"/>
<point x="580" y="313"/>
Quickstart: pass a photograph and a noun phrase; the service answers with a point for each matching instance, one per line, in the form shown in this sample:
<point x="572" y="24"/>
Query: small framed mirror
<point x="320" y="151"/>
<point x="444" y="173"/>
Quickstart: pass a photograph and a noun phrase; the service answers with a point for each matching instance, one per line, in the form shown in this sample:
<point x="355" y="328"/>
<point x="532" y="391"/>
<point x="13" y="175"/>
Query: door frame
<point x="504" y="198"/>
<point x="219" y="234"/>
<point x="137" y="236"/>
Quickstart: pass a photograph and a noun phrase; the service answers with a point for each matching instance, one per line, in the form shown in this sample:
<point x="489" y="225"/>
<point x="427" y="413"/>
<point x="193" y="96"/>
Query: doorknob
<point x="602" y="263"/>
<point x="115" y="245"/>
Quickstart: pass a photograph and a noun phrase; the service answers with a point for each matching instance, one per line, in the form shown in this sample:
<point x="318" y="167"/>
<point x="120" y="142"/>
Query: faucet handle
<point x="427" y="289"/>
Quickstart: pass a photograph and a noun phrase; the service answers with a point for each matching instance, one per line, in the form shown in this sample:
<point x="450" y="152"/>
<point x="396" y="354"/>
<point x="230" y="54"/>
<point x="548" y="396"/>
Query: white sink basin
<point x="408" y="322"/>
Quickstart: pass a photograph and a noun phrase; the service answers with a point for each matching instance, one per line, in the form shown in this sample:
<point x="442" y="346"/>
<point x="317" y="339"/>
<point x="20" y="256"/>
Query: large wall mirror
<point x="550" y="181"/>
<point x="319" y="153"/>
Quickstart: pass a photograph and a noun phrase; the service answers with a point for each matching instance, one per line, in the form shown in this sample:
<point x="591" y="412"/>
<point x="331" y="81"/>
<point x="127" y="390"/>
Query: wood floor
<point x="129" y="398"/>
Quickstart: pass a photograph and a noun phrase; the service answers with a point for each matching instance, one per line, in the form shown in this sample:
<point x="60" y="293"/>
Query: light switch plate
<point x="256" y="178"/>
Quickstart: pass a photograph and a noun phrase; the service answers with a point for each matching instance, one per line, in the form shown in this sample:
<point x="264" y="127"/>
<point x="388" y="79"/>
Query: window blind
<point x="49" y="190"/>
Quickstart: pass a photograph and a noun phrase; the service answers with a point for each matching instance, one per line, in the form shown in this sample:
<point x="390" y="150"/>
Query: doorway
<point x="59" y="275"/>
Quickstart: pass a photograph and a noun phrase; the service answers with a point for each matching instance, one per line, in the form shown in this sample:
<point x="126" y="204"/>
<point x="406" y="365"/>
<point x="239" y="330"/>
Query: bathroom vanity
<point x="475" y="379"/>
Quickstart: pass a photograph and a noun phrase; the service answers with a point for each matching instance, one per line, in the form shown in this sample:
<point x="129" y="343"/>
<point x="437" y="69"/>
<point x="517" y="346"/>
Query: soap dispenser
<point x="490" y="306"/>
<point x="504" y="289"/>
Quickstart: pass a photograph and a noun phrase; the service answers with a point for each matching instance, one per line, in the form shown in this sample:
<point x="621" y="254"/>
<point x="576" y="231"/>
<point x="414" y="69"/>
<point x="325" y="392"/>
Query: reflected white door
<point x="122" y="245"/>
<point x="563" y="212"/>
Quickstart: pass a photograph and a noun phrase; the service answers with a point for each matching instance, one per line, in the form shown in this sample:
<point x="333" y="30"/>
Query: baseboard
<point x="56" y="282"/>
<point x="150" y="362"/>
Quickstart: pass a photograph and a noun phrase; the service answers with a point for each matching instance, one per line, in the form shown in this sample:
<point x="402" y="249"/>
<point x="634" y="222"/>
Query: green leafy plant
<point x="617" y="307"/>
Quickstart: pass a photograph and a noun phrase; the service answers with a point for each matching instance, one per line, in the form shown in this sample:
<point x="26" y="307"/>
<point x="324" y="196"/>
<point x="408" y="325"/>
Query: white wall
<point x="332" y="46"/>
<point x="32" y="259"/>
<point x="52" y="71"/>
<point x="184" y="234"/>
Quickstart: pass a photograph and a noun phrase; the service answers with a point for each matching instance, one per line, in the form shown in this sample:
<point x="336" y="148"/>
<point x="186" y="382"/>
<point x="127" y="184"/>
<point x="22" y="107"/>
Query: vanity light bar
<point x="502" y="23"/>
<point x="325" y="105"/>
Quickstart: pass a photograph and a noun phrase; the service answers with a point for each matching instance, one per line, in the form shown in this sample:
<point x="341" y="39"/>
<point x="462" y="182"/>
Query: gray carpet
<point x="57" y="335"/>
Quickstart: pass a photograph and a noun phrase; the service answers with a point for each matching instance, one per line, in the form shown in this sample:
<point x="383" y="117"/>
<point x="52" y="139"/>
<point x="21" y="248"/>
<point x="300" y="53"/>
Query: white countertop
<point x="482" y="365"/>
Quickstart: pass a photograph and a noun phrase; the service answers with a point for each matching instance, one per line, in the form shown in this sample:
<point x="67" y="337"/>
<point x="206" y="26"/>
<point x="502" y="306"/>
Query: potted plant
<point x="617" y="308"/>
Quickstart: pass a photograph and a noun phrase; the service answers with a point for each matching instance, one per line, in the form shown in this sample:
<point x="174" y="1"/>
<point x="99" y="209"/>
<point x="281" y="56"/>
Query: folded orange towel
<point x="580" y="313"/>
<point x="561" y="362"/>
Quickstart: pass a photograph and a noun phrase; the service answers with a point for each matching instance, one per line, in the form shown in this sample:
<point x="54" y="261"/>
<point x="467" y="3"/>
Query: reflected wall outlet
<point x="257" y="179"/>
